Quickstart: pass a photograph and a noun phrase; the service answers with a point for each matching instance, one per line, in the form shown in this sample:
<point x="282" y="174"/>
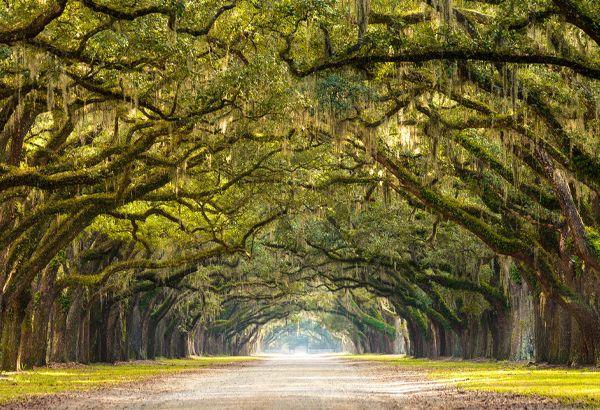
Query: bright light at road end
<point x="301" y="353"/>
<point x="298" y="355"/>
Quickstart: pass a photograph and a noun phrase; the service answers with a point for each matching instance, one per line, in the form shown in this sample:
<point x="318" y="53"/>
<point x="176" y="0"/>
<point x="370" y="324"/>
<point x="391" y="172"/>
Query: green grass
<point x="17" y="385"/>
<point x="565" y="384"/>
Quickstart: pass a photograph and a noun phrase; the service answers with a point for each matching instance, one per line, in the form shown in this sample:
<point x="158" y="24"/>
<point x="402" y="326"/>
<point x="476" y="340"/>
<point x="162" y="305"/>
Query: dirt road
<point x="303" y="382"/>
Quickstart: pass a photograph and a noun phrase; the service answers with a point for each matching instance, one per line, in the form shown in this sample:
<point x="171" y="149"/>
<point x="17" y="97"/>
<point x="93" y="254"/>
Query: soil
<point x="290" y="382"/>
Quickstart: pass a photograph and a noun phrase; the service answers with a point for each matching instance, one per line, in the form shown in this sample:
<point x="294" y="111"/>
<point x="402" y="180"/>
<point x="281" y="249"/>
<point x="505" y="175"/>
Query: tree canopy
<point x="186" y="176"/>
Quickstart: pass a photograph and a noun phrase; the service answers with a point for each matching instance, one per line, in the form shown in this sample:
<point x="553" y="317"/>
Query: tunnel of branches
<point x="199" y="177"/>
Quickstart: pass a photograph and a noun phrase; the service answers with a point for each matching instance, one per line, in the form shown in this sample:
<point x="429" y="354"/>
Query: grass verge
<point x="40" y="381"/>
<point x="565" y="384"/>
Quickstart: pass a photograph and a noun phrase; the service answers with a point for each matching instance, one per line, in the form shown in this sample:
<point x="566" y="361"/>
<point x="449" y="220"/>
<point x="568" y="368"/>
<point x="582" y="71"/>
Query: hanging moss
<point x="379" y="325"/>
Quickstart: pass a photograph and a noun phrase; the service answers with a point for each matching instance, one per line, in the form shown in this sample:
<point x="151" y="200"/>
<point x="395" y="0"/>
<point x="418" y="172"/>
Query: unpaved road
<point x="289" y="382"/>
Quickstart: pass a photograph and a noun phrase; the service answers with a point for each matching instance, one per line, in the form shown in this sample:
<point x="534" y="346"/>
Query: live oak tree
<point x="503" y="102"/>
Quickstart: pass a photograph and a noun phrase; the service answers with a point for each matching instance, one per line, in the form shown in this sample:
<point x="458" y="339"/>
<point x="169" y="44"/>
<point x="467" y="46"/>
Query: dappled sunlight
<point x="505" y="377"/>
<point x="81" y="377"/>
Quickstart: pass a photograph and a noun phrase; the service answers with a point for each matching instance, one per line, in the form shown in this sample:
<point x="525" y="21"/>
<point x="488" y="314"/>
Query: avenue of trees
<point x="186" y="177"/>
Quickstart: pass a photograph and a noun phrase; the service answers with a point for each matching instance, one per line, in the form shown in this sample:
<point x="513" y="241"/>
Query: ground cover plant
<point x="77" y="378"/>
<point x="570" y="386"/>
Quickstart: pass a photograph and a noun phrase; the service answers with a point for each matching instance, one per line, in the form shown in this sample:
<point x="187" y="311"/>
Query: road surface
<point x="290" y="382"/>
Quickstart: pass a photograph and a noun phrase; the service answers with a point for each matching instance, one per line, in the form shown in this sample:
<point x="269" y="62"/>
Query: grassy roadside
<point x="16" y="385"/>
<point x="564" y="384"/>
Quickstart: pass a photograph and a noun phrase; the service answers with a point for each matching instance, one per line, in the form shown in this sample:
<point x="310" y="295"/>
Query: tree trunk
<point x="13" y="317"/>
<point x="41" y="318"/>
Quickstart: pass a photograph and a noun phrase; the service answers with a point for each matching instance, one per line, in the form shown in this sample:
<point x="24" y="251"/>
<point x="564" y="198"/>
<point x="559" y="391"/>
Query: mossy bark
<point x="13" y="318"/>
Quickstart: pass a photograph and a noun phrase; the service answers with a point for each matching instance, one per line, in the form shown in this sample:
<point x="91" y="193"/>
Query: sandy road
<point x="290" y="382"/>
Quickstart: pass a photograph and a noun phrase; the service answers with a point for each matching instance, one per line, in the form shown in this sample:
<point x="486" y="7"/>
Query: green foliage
<point x="338" y="94"/>
<point x="256" y="159"/>
<point x="593" y="237"/>
<point x="514" y="274"/>
<point x="64" y="300"/>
